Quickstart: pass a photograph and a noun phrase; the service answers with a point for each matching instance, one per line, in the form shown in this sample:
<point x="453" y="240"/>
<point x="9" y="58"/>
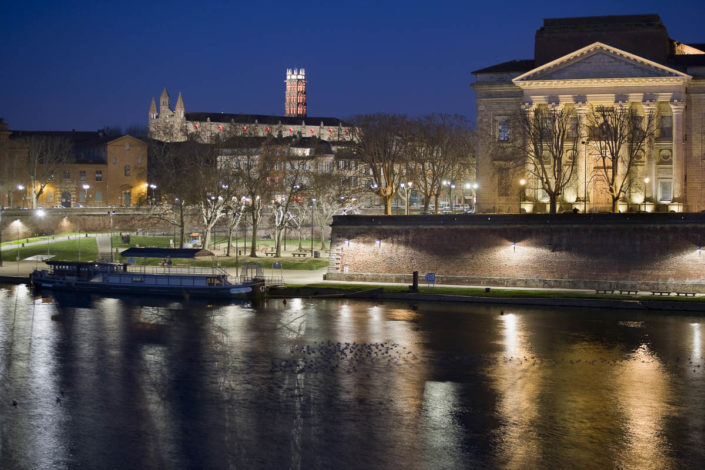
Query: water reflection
<point x="108" y="382"/>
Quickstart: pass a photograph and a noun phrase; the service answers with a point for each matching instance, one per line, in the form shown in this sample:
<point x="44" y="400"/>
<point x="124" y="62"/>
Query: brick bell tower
<point x="295" y="98"/>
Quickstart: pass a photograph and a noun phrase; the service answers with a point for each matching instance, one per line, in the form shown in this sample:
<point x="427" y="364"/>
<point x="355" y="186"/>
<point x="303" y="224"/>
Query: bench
<point x="604" y="291"/>
<point x="299" y="253"/>
<point x="686" y="294"/>
<point x="660" y="292"/>
<point x="270" y="253"/>
<point x="628" y="291"/>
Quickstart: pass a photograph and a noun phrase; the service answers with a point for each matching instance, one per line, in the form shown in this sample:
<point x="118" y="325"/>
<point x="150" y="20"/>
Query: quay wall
<point x="660" y="252"/>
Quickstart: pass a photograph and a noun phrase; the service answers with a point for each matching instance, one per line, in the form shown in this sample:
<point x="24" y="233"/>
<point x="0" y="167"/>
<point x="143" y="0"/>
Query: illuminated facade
<point x="101" y="170"/>
<point x="177" y="125"/>
<point x="582" y="64"/>
<point x="295" y="98"/>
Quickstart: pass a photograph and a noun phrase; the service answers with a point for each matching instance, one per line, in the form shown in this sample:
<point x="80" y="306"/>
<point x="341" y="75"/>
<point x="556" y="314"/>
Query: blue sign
<point x="431" y="278"/>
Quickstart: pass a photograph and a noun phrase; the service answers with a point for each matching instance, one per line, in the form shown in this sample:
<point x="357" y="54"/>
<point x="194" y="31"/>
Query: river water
<point x="148" y="383"/>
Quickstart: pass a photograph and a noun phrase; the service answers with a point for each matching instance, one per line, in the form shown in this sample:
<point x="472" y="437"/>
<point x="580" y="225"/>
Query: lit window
<point x="99" y="175"/>
<point x="127" y="170"/>
<point x="127" y="146"/>
<point x="666" y="127"/>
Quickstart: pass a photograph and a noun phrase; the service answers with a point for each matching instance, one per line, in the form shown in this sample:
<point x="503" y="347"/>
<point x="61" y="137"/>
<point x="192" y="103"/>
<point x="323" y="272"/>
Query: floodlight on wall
<point x="699" y="250"/>
<point x="378" y="242"/>
<point x="347" y="242"/>
<point x="514" y="246"/>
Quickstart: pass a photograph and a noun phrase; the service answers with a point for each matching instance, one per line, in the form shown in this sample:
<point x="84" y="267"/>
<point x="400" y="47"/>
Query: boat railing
<point x="182" y="270"/>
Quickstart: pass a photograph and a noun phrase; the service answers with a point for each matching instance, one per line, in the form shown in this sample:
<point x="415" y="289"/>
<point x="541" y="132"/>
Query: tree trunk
<point x="182" y="228"/>
<point x="436" y="197"/>
<point x="388" y="205"/>
<point x="253" y="247"/>
<point x="553" y="203"/>
<point x="278" y="241"/>
<point x="230" y="240"/>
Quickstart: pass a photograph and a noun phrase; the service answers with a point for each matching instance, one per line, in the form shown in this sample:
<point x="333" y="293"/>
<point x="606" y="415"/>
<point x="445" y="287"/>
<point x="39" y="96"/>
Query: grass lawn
<point x="287" y="262"/>
<point x="64" y="250"/>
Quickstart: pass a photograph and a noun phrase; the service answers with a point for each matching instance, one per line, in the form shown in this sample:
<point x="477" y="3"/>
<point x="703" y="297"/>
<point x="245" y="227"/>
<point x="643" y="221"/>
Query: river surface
<point x="146" y="383"/>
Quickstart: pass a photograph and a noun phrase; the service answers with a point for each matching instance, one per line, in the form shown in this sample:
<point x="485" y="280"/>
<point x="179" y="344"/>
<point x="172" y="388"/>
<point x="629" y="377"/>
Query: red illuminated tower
<point x="295" y="100"/>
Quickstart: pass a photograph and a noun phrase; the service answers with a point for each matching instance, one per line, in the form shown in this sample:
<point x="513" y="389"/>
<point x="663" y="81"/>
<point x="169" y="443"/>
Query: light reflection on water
<point x="105" y="382"/>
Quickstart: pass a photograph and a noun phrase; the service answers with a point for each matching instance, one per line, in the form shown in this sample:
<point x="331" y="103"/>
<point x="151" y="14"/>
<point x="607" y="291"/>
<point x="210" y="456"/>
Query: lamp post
<point x="450" y="196"/>
<point x="473" y="187"/>
<point x="152" y="186"/>
<point x="407" y="188"/>
<point x="646" y="181"/>
<point x="313" y="202"/>
<point x="20" y="187"/>
<point x="18" y="223"/>
<point x="85" y="192"/>
<point x="522" y="183"/>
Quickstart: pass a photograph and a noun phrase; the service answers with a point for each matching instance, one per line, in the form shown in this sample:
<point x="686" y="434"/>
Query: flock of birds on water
<point x="343" y="356"/>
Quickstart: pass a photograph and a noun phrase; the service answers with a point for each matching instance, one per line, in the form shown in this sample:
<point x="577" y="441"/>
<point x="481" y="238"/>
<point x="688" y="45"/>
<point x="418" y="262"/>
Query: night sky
<point x="88" y="64"/>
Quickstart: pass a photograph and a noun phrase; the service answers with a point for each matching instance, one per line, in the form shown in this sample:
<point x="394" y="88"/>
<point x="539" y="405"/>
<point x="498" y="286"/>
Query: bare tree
<point x="440" y="149"/>
<point x="621" y="136"/>
<point x="170" y="168"/>
<point x="250" y="159"/>
<point x="289" y="183"/>
<point x="45" y="154"/>
<point x="550" y="137"/>
<point x="381" y="147"/>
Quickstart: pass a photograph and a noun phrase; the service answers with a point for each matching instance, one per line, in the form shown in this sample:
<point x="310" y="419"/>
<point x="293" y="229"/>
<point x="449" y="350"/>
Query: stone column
<point x="582" y="109"/>
<point x="649" y="158"/>
<point x="677" y="108"/>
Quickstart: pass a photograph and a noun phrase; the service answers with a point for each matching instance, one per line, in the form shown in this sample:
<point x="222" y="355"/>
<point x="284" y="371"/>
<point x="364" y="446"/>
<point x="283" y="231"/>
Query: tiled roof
<point x="88" y="146"/>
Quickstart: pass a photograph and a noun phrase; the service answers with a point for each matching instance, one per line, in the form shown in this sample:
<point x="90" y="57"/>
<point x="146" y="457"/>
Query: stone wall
<point x="642" y="251"/>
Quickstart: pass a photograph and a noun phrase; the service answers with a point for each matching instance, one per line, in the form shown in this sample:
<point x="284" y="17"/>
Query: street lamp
<point x="85" y="192"/>
<point x="473" y="187"/>
<point x="313" y="202"/>
<point x="450" y="194"/>
<point x="152" y="186"/>
<point x="522" y="183"/>
<point x="18" y="223"/>
<point x="407" y="188"/>
<point x="646" y="181"/>
<point x="20" y="187"/>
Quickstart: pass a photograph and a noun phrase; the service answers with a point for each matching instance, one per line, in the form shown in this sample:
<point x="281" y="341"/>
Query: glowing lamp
<point x="330" y="131"/>
<point x="195" y="126"/>
<point x="220" y="128"/>
<point x="244" y="128"/>
<point x="291" y="130"/>
<point x="347" y="131"/>
<point x="268" y="129"/>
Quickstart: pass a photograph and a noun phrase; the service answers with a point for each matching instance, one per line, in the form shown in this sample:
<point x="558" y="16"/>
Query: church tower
<point x="295" y="98"/>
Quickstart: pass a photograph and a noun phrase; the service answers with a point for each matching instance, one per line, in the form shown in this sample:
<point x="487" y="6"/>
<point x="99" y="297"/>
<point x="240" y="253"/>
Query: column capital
<point x="677" y="106"/>
<point x="649" y="106"/>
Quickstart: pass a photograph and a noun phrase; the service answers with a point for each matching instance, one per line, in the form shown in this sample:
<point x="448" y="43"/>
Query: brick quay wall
<point x="627" y="251"/>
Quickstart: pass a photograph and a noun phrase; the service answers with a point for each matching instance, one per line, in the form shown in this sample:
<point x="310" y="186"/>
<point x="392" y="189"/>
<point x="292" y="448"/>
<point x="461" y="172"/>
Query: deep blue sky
<point x="87" y="64"/>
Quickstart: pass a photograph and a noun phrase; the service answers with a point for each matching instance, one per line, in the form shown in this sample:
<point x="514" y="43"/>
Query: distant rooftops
<point x="263" y="119"/>
<point x="601" y="23"/>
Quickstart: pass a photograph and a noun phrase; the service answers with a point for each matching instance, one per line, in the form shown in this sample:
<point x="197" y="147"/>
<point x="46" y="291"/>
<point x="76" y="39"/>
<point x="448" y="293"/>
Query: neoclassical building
<point x="583" y="64"/>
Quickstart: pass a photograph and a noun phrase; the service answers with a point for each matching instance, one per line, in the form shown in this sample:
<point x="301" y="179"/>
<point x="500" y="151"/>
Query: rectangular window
<point x="127" y="146"/>
<point x="665" y="191"/>
<point x="67" y="175"/>
<point x="82" y="196"/>
<point x="327" y="167"/>
<point x="666" y="127"/>
<point x="50" y="196"/>
<point x="82" y="175"/>
<point x="503" y="185"/>
<point x="503" y="130"/>
<point x="99" y="175"/>
<point x="573" y="127"/>
<point x="127" y="170"/>
<point x="320" y="167"/>
<point x="341" y="164"/>
<point x="99" y="196"/>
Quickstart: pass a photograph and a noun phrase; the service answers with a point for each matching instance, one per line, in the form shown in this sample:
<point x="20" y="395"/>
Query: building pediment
<point x="599" y="63"/>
